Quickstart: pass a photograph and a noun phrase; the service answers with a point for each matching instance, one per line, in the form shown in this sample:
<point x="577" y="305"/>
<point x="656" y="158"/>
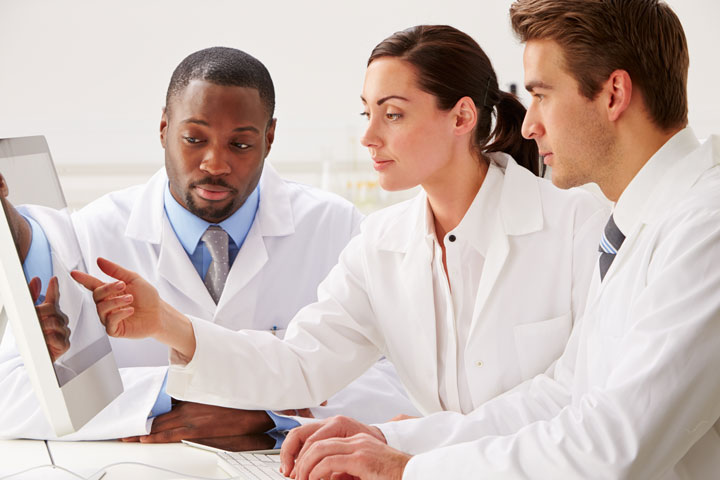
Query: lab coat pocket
<point x="539" y="344"/>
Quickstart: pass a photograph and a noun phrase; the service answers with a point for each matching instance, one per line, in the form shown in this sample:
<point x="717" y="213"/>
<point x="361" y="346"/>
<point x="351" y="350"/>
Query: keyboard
<point x="251" y="466"/>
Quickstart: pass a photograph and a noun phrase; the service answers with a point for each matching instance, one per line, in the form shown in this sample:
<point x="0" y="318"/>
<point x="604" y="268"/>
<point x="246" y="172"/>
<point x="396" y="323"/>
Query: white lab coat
<point x="379" y="301"/>
<point x="295" y="239"/>
<point x="636" y="394"/>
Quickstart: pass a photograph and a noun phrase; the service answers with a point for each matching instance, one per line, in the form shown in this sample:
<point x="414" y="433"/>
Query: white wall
<point x="91" y="75"/>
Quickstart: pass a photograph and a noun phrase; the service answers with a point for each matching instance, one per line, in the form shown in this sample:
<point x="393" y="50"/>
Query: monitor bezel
<point x="71" y="406"/>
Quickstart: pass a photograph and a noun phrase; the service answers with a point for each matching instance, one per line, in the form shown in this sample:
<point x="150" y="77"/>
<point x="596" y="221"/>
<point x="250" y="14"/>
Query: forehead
<point x="389" y="76"/>
<point x="544" y="65"/>
<point x="207" y="100"/>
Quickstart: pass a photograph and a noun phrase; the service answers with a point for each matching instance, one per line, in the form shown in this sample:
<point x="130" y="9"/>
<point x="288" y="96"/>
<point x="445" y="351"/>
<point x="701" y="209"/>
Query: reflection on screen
<point x="48" y="250"/>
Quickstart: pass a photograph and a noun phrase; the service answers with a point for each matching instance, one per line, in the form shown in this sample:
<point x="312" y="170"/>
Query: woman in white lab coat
<point x="469" y="288"/>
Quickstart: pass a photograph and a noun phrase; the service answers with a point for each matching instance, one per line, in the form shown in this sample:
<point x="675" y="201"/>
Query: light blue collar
<point x="189" y="227"/>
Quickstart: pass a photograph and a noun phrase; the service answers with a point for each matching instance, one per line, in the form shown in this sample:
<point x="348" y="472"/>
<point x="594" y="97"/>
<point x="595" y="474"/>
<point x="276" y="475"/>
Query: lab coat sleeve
<point x="660" y="397"/>
<point x="22" y="417"/>
<point x="376" y="396"/>
<point x="327" y="344"/>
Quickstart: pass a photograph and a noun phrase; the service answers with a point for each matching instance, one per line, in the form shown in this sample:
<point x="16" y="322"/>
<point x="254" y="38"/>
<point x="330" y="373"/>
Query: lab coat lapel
<point x="148" y="223"/>
<point x="674" y="184"/>
<point x="408" y="237"/>
<point x="519" y="213"/>
<point x="175" y="267"/>
<point x="274" y="218"/>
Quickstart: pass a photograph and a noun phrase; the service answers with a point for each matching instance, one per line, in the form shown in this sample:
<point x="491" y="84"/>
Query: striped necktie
<point x="216" y="241"/>
<point x="610" y="243"/>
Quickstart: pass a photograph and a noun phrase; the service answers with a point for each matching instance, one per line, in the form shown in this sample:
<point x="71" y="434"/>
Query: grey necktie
<point x="216" y="241"/>
<point x="611" y="241"/>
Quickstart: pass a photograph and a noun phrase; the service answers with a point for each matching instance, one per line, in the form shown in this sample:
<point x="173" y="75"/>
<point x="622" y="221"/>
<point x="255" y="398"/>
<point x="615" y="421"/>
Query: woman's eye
<point x="365" y="114"/>
<point x="393" y="116"/>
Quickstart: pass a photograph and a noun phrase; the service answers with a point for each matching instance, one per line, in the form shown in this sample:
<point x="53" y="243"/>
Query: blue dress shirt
<point x="189" y="228"/>
<point x="38" y="262"/>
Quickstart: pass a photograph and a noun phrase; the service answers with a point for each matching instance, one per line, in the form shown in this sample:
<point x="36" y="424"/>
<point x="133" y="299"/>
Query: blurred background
<point x="91" y="76"/>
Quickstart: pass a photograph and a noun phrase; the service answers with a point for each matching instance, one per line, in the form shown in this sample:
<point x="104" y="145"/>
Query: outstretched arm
<point x="132" y="308"/>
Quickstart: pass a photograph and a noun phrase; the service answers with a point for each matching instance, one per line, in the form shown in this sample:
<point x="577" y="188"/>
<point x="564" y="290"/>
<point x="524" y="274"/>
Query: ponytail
<point x="507" y="135"/>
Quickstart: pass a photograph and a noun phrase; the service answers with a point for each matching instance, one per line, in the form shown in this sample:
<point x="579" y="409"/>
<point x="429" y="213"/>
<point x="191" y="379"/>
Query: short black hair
<point x="223" y="66"/>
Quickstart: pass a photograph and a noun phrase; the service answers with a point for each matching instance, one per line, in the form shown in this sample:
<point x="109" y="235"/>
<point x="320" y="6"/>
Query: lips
<point x="212" y="193"/>
<point x="547" y="157"/>
<point x="380" y="164"/>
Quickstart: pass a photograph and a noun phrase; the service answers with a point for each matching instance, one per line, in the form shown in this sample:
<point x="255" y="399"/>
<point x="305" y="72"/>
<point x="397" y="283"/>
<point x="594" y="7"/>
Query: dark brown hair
<point x="450" y="65"/>
<point x="642" y="37"/>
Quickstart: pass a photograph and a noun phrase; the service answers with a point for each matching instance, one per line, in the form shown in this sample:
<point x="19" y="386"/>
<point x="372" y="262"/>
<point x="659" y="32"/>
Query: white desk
<point x="86" y="458"/>
<point x="18" y="455"/>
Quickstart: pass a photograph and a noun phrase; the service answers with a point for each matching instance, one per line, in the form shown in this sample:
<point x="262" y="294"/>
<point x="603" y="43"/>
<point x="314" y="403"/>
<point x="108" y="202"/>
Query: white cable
<point x="107" y="467"/>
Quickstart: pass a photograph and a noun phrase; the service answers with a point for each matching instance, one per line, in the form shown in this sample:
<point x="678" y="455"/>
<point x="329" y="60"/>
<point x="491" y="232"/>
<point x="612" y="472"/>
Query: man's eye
<point x="192" y="140"/>
<point x="241" y="146"/>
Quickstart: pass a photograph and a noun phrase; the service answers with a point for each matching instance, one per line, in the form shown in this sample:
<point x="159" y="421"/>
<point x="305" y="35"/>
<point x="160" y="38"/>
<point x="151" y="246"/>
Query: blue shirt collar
<point x="189" y="227"/>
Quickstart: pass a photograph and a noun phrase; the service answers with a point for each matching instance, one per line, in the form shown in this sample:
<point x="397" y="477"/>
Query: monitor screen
<point x="53" y="321"/>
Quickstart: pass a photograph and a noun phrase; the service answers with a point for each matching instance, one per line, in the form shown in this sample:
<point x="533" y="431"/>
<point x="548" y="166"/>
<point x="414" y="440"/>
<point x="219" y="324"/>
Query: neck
<point x="635" y="147"/>
<point x="451" y="195"/>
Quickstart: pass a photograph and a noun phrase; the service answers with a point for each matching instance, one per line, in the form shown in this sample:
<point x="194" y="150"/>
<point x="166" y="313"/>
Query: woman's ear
<point x="465" y="116"/>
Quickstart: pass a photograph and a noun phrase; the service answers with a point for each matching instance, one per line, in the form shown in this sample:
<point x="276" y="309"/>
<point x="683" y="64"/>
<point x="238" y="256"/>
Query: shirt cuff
<point x="283" y="425"/>
<point x="163" y="404"/>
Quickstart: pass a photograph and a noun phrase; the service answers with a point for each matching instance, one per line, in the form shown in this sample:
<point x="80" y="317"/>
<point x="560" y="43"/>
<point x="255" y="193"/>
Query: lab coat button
<point x="479" y="363"/>
<point x="452" y="238"/>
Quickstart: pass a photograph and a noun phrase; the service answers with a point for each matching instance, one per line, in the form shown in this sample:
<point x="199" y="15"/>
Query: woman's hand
<point x="132" y="308"/>
<point x="301" y="439"/>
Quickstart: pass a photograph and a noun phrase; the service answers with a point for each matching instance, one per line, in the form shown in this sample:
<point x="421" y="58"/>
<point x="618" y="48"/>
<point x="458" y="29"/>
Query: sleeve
<point x="657" y="396"/>
<point x="327" y="344"/>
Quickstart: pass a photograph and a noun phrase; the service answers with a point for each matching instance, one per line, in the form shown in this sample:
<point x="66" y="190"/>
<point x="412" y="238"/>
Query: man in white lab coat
<point x="282" y="239"/>
<point x="636" y="394"/>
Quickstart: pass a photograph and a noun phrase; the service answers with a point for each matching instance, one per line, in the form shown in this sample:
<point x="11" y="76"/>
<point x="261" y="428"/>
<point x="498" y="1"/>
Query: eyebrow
<point x="205" y="124"/>
<point x="385" y="99"/>
<point x="537" y="84"/>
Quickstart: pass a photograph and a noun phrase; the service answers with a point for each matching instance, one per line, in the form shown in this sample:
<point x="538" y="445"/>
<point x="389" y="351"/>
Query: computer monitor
<point x="72" y="385"/>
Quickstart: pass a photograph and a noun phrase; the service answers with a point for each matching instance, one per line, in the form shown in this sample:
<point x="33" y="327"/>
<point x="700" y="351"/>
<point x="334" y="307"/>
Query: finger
<point x="131" y="439"/>
<point x="114" y="322"/>
<point x="53" y="323"/>
<point x="35" y="286"/>
<point x="86" y="280"/>
<point x="52" y="295"/>
<point x="168" y="436"/>
<point x="168" y="421"/>
<point x="114" y="303"/>
<point x="331" y="429"/>
<point x="116" y="271"/>
<point x="293" y="443"/>
<point x="337" y="467"/>
<point x="319" y="451"/>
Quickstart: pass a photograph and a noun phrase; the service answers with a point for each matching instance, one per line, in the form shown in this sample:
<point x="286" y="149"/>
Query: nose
<point x="216" y="160"/>
<point x="371" y="139"/>
<point x="532" y="127"/>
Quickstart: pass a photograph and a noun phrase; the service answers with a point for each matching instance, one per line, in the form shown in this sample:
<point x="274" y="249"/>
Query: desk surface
<point x="87" y="458"/>
<point x="19" y="455"/>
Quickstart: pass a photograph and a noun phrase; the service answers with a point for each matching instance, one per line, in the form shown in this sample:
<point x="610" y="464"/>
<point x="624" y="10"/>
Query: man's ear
<point x="270" y="135"/>
<point x="465" y="115"/>
<point x="163" y="127"/>
<point x="618" y="90"/>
